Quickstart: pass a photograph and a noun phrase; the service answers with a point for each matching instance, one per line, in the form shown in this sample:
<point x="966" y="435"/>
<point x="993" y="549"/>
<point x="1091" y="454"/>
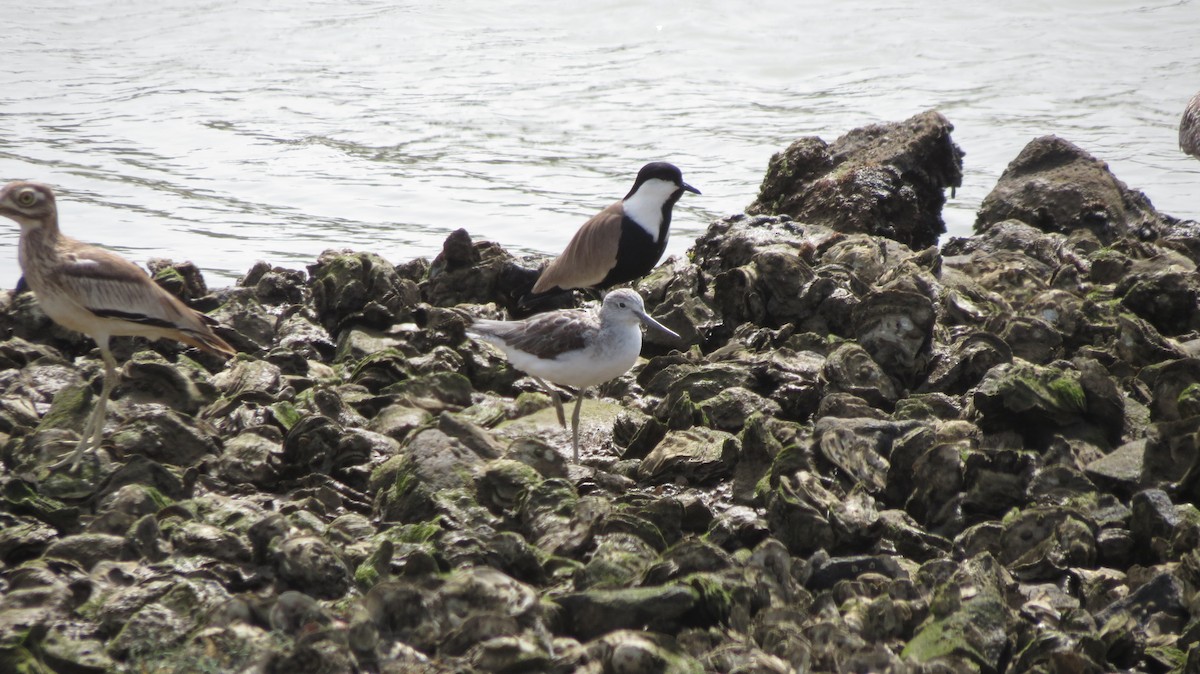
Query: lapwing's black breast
<point x="637" y="253"/>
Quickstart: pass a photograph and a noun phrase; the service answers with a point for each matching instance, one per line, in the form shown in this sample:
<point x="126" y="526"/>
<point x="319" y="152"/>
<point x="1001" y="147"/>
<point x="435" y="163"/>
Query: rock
<point x="358" y="288"/>
<point x="597" y="612"/>
<point x="850" y="369"/>
<point x="250" y="456"/>
<point x="310" y="564"/>
<point x="88" y="549"/>
<point x="965" y="627"/>
<point x="638" y="652"/>
<point x="1159" y="602"/>
<point x="150" y="629"/>
<point x="728" y="409"/>
<point x="1121" y="469"/>
<point x="1032" y="396"/>
<point x="1166" y="299"/>
<point x="859" y="447"/>
<point x="896" y="328"/>
<point x="182" y="279"/>
<point x="195" y="538"/>
<point x="697" y="456"/>
<point x="885" y="179"/>
<point x="1057" y="187"/>
<point x="163" y="435"/>
<point x="476" y="272"/>
<point x="119" y="509"/>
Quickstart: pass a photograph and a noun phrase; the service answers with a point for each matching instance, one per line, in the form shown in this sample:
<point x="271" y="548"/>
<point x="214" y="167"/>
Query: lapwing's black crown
<point x="661" y="170"/>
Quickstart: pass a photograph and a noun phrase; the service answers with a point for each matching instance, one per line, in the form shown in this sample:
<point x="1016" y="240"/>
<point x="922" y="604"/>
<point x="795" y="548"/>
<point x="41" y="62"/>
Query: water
<point x="228" y="131"/>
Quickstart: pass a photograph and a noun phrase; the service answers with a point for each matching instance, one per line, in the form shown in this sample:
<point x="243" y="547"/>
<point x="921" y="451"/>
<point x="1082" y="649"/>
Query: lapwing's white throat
<point x="96" y="292"/>
<point x="574" y="347"/>
<point x="624" y="241"/>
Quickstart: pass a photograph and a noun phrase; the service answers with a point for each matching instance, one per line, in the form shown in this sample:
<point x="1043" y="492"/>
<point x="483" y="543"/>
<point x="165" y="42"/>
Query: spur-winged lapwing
<point x="624" y="241"/>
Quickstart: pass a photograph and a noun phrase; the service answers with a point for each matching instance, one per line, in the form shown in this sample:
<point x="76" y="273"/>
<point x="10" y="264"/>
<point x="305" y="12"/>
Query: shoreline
<point x="871" y="448"/>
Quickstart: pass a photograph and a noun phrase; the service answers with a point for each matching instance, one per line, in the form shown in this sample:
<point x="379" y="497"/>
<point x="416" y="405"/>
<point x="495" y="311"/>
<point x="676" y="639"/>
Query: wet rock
<point x="196" y="538"/>
<point x="502" y="483"/>
<point x="851" y="369"/>
<point x="993" y="482"/>
<point x="1167" y="299"/>
<point x="358" y="288"/>
<point x="24" y="538"/>
<point x="163" y="435"/>
<point x="597" y="612"/>
<point x="250" y="456"/>
<point x="181" y="279"/>
<point x="1121" y="469"/>
<point x="249" y="376"/>
<point x="759" y="449"/>
<point x="859" y="447"/>
<point x="119" y="509"/>
<point x="88" y="549"/>
<point x="1032" y="339"/>
<point x="311" y="565"/>
<point x="1057" y="187"/>
<point x="147" y="378"/>
<point x="968" y="621"/>
<point x="979" y="457"/>
<point x="298" y="335"/>
<point x="509" y="654"/>
<point x="762" y="273"/>
<point x="619" y="560"/>
<point x="1041" y="543"/>
<point x="697" y="455"/>
<point x="469" y="272"/>
<point x="276" y="285"/>
<point x="1153" y="521"/>
<point x="728" y="409"/>
<point x="538" y="455"/>
<point x="671" y="295"/>
<point x="435" y="393"/>
<point x="1158" y="606"/>
<point x="885" y="179"/>
<point x="318" y="444"/>
<point x="1029" y="397"/>
<point x="248" y="325"/>
<point x="896" y="328"/>
<point x="153" y="628"/>
<point x="405" y="485"/>
<point x="638" y="652"/>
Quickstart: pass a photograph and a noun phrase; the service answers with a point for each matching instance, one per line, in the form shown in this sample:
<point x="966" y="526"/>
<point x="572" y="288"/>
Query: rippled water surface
<point x="228" y="131"/>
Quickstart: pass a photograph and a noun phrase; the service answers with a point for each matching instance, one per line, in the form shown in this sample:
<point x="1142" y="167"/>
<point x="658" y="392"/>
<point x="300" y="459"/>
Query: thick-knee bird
<point x="1189" y="128"/>
<point x="96" y="292"/>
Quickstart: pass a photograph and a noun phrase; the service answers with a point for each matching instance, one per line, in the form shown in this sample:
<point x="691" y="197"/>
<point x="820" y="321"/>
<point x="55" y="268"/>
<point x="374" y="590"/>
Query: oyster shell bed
<point x="866" y="453"/>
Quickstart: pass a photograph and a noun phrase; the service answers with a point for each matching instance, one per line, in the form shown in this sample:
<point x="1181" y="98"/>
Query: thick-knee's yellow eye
<point x="27" y="198"/>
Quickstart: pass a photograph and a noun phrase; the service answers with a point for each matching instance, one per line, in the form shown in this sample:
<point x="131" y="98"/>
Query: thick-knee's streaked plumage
<point x="624" y="241"/>
<point x="96" y="292"/>
<point x="1189" y="128"/>
<point x="574" y="347"/>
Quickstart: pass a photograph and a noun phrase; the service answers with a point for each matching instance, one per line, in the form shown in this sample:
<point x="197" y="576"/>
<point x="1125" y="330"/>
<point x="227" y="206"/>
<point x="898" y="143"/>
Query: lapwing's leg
<point x="558" y="408"/>
<point x="575" y="424"/>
